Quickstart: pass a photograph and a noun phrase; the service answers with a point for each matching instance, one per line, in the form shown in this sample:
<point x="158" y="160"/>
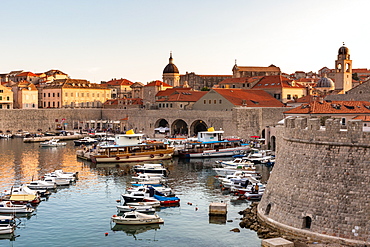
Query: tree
<point x="205" y="89"/>
<point x="355" y="77"/>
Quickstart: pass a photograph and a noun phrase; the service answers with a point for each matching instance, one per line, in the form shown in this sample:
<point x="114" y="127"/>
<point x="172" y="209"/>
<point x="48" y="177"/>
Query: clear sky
<point x="99" y="40"/>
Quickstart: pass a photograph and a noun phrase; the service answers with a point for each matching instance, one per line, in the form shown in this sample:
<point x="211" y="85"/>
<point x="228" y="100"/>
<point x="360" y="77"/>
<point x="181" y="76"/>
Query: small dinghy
<point x="140" y="209"/>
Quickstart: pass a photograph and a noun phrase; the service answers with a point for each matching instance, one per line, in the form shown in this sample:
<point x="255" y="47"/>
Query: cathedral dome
<point x="343" y="50"/>
<point x="171" y="68"/>
<point x="325" y="82"/>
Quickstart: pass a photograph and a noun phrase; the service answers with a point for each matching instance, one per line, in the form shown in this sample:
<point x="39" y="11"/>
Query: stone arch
<point x="179" y="127"/>
<point x="161" y="123"/>
<point x="196" y="126"/>
<point x="273" y="143"/>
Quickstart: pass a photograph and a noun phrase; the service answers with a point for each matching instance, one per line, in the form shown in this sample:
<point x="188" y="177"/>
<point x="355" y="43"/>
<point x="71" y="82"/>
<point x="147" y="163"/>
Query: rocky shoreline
<point x="251" y="221"/>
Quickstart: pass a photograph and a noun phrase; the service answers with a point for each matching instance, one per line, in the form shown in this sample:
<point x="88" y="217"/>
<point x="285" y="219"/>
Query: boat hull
<point x="131" y="158"/>
<point x="214" y="153"/>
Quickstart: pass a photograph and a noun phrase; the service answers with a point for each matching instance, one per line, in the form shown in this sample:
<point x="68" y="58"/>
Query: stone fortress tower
<point x="343" y="70"/>
<point x="171" y="73"/>
<point x="319" y="189"/>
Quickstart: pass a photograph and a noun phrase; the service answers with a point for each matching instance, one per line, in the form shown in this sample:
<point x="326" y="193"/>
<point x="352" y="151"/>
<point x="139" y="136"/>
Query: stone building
<point x="222" y="99"/>
<point x="6" y="97"/>
<point x="178" y="98"/>
<point x="249" y="71"/>
<point x="124" y="103"/>
<point x="318" y="190"/>
<point x="120" y="88"/>
<point x="74" y="93"/>
<point x="137" y="90"/>
<point x="25" y="95"/>
<point x="150" y="90"/>
<point x="198" y="82"/>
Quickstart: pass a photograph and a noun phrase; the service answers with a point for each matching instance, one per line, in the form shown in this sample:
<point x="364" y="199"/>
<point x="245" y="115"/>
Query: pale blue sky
<point x="99" y="40"/>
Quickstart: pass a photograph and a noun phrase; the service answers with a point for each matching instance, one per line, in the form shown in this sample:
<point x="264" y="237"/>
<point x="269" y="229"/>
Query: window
<point x="7" y="98"/>
<point x="49" y="95"/>
<point x="307" y="222"/>
<point x="1" y="97"/>
<point x="205" y="102"/>
<point x="343" y="122"/>
<point x="93" y="94"/>
<point x="44" y="104"/>
<point x="1" y="91"/>
<point x="171" y="105"/>
<point x="53" y="104"/>
<point x="220" y="101"/>
<point x="66" y="94"/>
<point x="288" y="96"/>
<point x="82" y="94"/>
<point x="268" y="208"/>
<point x="71" y="94"/>
<point x="214" y="101"/>
<point x="277" y="96"/>
<point x="58" y="95"/>
<point x="209" y="101"/>
<point x="87" y="94"/>
<point x="44" y="95"/>
<point x="181" y="106"/>
<point x="97" y="95"/>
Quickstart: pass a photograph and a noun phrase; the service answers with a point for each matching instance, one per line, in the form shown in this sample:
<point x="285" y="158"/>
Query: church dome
<point x="171" y="68"/>
<point x="343" y="50"/>
<point x="325" y="82"/>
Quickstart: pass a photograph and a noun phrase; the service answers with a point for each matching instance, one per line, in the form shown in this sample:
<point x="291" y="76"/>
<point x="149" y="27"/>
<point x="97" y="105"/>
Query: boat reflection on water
<point x="133" y="230"/>
<point x="10" y="236"/>
<point x="217" y="219"/>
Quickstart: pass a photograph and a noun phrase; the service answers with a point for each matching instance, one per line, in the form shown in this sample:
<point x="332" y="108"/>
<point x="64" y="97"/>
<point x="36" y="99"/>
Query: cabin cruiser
<point x="52" y="143"/>
<point x="136" y="218"/>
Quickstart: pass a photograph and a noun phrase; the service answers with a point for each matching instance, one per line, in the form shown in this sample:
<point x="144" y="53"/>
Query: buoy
<point x="118" y="200"/>
<point x="196" y="209"/>
<point x="114" y="215"/>
<point x="106" y="234"/>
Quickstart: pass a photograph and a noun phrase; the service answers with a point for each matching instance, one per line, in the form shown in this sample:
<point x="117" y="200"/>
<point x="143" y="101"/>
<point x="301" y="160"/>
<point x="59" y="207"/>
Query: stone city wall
<point x="243" y="122"/>
<point x="319" y="188"/>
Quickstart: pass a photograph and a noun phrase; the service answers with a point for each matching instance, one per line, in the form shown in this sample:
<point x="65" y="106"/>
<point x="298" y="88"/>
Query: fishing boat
<point x="128" y="147"/>
<point x="136" y="218"/>
<point x="52" y="143"/>
<point x="9" y="207"/>
<point x="211" y="144"/>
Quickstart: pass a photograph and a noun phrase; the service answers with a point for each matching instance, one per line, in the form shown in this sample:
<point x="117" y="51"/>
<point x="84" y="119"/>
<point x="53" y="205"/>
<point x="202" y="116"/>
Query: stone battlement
<point x="333" y="133"/>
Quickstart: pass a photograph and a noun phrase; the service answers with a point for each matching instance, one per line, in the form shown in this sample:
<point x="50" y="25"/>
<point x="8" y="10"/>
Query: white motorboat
<point x="140" y="209"/>
<point x="71" y="176"/>
<point x="136" y="218"/>
<point x="6" y="229"/>
<point x="151" y="169"/>
<point x="52" y="143"/>
<point x="41" y="184"/>
<point x="253" y="195"/>
<point x="9" y="207"/>
<point x="148" y="179"/>
<point x="58" y="181"/>
<point x="230" y="170"/>
<point x="85" y="141"/>
<point x="154" y="204"/>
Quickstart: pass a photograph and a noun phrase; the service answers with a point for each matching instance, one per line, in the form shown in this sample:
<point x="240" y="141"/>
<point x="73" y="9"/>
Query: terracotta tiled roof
<point x="304" y="99"/>
<point x="157" y="83"/>
<point x="241" y="80"/>
<point x="249" y="98"/>
<point x="119" y="82"/>
<point x="307" y="80"/>
<point x="254" y="68"/>
<point x="26" y="74"/>
<point x="364" y="118"/>
<point x="215" y="75"/>
<point x="179" y="95"/>
<point x="360" y="71"/>
<point x="276" y="81"/>
<point x="332" y="107"/>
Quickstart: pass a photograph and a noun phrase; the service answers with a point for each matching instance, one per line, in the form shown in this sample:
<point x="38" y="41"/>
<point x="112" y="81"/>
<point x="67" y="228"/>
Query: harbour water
<point x="79" y="215"/>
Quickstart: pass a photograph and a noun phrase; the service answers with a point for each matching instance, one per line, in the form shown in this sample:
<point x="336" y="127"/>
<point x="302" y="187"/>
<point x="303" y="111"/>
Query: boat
<point x="253" y="195"/>
<point x="260" y="156"/>
<point x="140" y="209"/>
<point x="230" y="170"/>
<point x="151" y="169"/>
<point x="136" y="218"/>
<point x="9" y="207"/>
<point x="85" y="141"/>
<point x="128" y="148"/>
<point x="60" y="174"/>
<point x="148" y="179"/>
<point x="52" y="143"/>
<point x="134" y="196"/>
<point x="6" y="229"/>
<point x="154" y="204"/>
<point x="41" y="184"/>
<point x="58" y="181"/>
<point x="165" y="200"/>
<point x="211" y="144"/>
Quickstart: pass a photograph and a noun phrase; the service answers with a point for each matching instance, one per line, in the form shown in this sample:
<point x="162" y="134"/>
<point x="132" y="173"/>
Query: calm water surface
<point x="79" y="215"/>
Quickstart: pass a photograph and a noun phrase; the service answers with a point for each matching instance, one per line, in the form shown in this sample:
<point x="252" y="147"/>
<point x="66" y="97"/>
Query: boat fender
<point x="117" y="158"/>
<point x="152" y="156"/>
<point x="161" y="155"/>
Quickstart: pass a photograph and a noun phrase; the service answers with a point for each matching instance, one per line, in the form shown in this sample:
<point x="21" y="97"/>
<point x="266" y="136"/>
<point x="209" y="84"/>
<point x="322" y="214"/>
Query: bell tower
<point x="343" y="70"/>
<point x="171" y="73"/>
